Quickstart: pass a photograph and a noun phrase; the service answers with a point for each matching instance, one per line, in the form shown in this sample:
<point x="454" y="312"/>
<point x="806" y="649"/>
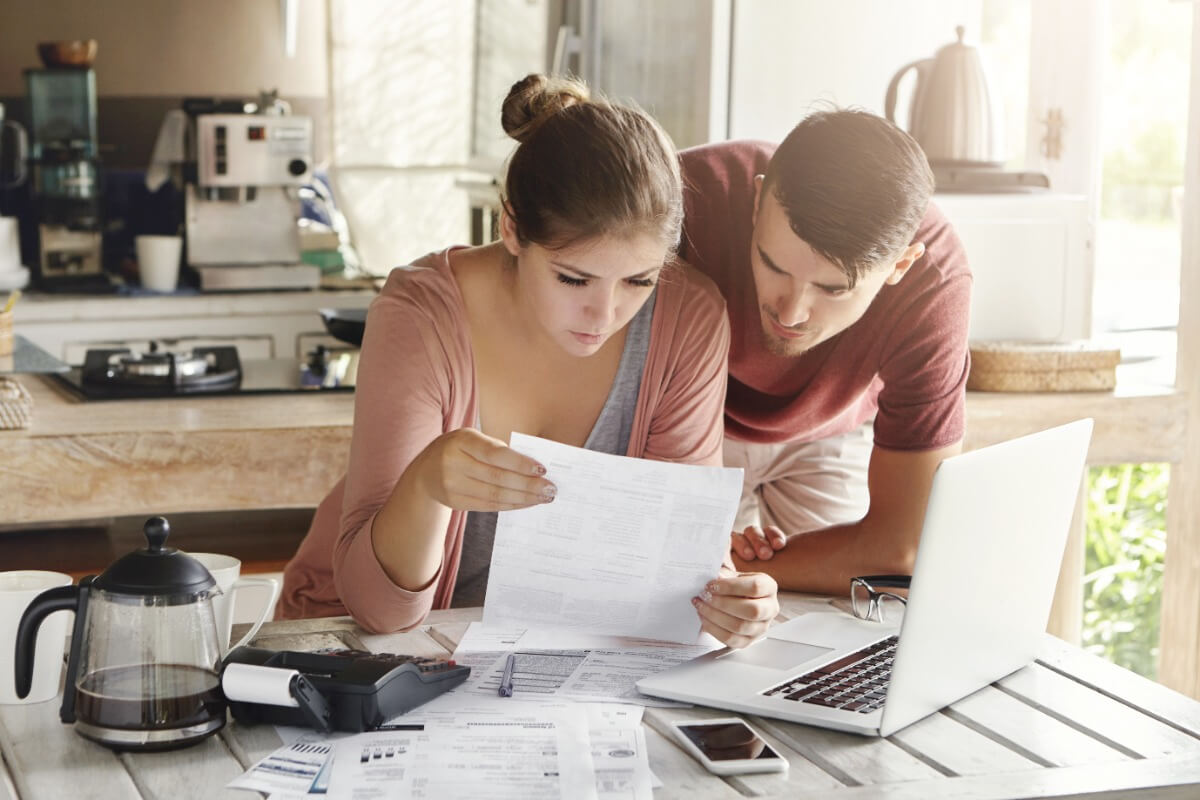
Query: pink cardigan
<point x="416" y="381"/>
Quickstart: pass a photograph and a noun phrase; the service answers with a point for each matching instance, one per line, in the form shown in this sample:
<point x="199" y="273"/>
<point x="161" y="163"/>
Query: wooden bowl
<point x="76" y="53"/>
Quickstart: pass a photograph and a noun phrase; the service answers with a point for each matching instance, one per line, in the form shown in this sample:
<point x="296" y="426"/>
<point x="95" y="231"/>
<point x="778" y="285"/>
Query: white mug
<point x="158" y="261"/>
<point x="10" y="245"/>
<point x="17" y="590"/>
<point x="225" y="571"/>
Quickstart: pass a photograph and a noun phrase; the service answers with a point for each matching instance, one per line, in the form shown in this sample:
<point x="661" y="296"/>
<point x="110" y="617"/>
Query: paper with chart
<point x="622" y="550"/>
<point x="525" y="753"/>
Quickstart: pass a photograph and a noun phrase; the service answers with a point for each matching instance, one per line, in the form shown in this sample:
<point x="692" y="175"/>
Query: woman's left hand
<point x="737" y="607"/>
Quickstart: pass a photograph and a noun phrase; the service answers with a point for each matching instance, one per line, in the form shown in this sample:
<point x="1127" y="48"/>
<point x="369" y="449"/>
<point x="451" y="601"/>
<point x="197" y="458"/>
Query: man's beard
<point x="777" y="345"/>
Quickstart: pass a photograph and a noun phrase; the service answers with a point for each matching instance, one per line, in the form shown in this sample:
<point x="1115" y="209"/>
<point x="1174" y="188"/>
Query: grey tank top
<point x="610" y="434"/>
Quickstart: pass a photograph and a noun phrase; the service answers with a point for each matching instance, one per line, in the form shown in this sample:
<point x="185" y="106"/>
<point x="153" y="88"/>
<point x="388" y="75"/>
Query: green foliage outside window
<point x="1126" y="541"/>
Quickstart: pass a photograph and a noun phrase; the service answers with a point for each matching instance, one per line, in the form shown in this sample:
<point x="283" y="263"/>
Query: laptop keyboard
<point x="857" y="682"/>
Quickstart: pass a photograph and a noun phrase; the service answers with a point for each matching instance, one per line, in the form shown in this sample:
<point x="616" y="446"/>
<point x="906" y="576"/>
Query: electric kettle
<point x="951" y="114"/>
<point x="143" y="668"/>
<point x="21" y="152"/>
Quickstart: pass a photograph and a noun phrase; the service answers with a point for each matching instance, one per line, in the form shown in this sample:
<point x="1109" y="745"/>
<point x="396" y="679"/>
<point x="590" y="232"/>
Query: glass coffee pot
<point x="143" y="668"/>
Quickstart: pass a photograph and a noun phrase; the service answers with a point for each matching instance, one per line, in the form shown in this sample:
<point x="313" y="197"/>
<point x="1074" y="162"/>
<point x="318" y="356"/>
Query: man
<point x="848" y="295"/>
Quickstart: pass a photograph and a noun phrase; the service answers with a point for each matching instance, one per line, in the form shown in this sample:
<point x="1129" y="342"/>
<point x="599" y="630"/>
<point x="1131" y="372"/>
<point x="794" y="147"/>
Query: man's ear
<point x="909" y="257"/>
<point x="758" y="184"/>
<point x="508" y="232"/>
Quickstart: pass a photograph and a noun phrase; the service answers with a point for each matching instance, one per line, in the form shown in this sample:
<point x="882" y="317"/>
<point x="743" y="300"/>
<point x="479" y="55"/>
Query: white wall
<point x="788" y="55"/>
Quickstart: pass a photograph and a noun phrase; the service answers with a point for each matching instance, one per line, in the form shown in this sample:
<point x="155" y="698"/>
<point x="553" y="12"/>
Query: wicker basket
<point x="16" y="405"/>
<point x="1037" y="367"/>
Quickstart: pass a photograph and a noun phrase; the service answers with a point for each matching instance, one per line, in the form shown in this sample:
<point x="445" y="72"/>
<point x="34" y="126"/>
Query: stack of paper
<point x="545" y="751"/>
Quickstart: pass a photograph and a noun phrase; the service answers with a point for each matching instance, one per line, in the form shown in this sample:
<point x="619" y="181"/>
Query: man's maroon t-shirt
<point x="903" y="362"/>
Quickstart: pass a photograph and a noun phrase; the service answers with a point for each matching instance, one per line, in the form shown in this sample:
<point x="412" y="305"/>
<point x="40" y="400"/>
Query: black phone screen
<point x="727" y="741"/>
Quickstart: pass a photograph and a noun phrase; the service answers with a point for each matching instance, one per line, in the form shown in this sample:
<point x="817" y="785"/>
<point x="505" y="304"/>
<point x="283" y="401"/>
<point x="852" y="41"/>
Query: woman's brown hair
<point x="586" y="167"/>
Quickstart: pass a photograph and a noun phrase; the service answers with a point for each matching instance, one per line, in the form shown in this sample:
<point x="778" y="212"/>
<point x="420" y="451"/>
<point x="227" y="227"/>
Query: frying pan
<point x="345" y="324"/>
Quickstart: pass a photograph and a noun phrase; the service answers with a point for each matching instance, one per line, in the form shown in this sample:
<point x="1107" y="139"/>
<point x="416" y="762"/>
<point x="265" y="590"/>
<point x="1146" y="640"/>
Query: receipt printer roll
<point x="345" y="690"/>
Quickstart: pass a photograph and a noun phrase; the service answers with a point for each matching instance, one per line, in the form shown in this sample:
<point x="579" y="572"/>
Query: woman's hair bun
<point x="535" y="98"/>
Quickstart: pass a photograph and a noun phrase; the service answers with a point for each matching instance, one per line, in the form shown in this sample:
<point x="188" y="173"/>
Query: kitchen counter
<point x="87" y="460"/>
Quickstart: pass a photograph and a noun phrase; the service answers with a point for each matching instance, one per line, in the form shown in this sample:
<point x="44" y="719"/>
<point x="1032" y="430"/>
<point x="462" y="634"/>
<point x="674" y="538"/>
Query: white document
<point x="530" y="755"/>
<point x="619" y="753"/>
<point x="622" y="550"/>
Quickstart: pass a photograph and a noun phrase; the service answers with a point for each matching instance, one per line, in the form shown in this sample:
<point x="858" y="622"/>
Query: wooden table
<point x="1068" y="725"/>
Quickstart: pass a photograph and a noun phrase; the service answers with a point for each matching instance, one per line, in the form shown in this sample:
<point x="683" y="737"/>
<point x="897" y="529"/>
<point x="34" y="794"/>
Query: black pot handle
<point x="60" y="598"/>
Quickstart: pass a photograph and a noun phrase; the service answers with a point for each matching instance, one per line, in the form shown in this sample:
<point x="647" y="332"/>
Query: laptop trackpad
<point x="776" y="654"/>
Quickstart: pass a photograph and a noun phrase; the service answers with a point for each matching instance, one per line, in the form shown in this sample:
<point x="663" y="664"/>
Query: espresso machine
<point x="242" y="198"/>
<point x="65" y="185"/>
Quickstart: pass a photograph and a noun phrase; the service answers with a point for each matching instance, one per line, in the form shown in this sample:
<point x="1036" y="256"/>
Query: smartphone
<point x="728" y="746"/>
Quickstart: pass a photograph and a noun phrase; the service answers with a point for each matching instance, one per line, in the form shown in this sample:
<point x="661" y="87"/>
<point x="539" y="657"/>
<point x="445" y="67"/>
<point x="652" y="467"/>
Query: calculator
<point x="363" y="690"/>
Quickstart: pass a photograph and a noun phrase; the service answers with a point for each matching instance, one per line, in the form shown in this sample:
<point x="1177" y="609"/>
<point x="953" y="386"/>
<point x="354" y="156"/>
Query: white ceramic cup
<point x="158" y="261"/>
<point x="225" y="571"/>
<point x="10" y="245"/>
<point x="17" y="590"/>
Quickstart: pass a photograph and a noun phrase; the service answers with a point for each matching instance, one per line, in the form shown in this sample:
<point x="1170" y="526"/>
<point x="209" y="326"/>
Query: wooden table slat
<point x="850" y="758"/>
<point x="956" y="749"/>
<point x="1173" y="778"/>
<point x="1130" y="688"/>
<point x="1101" y="716"/>
<point x="249" y="744"/>
<point x="994" y="713"/>
<point x="208" y="767"/>
<point x="45" y="757"/>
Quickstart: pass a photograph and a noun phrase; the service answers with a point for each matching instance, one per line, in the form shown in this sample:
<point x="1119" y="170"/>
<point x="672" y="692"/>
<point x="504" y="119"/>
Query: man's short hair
<point x="854" y="187"/>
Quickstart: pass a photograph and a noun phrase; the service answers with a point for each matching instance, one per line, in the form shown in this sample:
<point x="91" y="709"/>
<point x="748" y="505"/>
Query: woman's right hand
<point x="470" y="471"/>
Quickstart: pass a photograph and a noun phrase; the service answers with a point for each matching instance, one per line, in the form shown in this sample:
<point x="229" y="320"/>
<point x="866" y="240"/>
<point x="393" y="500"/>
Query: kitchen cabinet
<point x="261" y="324"/>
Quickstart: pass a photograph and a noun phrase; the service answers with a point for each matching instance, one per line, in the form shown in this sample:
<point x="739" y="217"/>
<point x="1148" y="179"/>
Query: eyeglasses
<point x="870" y="604"/>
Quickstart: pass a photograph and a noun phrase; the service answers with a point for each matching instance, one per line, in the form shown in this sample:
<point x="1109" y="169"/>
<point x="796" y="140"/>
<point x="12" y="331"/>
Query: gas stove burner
<point x="155" y="372"/>
<point x="156" y="363"/>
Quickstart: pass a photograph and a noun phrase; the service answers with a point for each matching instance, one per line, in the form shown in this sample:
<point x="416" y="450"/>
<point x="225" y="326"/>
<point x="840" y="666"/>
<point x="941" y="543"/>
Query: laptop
<point x="995" y="530"/>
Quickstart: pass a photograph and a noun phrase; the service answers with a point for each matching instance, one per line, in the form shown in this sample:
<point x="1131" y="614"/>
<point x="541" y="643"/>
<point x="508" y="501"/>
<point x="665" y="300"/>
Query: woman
<point x="574" y="327"/>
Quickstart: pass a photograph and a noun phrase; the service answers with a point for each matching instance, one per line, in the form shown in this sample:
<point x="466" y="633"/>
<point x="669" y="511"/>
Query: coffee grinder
<point x="65" y="183"/>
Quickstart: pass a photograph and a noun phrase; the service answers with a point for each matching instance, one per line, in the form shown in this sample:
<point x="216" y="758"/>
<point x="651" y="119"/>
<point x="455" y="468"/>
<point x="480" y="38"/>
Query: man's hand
<point x="737" y="607"/>
<point x="757" y="543"/>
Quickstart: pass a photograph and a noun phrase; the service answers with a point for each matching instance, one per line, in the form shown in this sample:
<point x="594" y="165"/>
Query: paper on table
<point x="290" y="770"/>
<point x="603" y="674"/>
<point x="618" y="742"/>
<point x="619" y="753"/>
<point x="623" y="548"/>
<point x="532" y="754"/>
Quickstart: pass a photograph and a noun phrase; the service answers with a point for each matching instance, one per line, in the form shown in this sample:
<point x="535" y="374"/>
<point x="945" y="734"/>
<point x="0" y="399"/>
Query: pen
<point x="506" y="678"/>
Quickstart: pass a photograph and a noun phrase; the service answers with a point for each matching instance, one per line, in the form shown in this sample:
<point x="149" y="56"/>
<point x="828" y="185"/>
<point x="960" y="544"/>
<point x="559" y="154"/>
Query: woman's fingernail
<point x="549" y="493"/>
<point x="539" y="470"/>
<point x="706" y="595"/>
<point x="765" y="552"/>
<point x="696" y="601"/>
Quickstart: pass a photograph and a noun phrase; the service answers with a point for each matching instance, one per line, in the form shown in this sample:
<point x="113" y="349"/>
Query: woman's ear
<point x="508" y="232"/>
